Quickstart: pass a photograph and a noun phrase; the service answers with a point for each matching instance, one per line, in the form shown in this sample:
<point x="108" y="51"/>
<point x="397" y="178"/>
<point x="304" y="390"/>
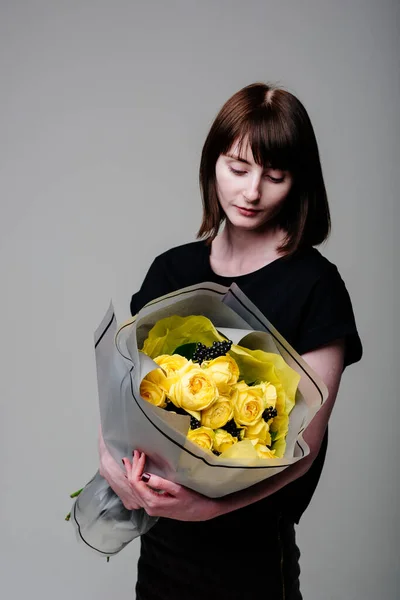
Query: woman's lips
<point x="247" y="212"/>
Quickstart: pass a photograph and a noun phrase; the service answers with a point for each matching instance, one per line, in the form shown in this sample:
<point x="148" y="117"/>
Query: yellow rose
<point x="193" y="389"/>
<point x="218" y="414"/>
<point x="153" y="393"/>
<point x="157" y="378"/>
<point x="223" y="440"/>
<point x="270" y="395"/>
<point x="202" y="436"/>
<point x="224" y="371"/>
<point x="259" y="431"/>
<point x="264" y="452"/>
<point x="248" y="403"/>
<point x="170" y="365"/>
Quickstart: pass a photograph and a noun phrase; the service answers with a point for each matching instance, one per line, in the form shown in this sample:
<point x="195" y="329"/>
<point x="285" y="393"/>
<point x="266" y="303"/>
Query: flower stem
<point x="75" y="494"/>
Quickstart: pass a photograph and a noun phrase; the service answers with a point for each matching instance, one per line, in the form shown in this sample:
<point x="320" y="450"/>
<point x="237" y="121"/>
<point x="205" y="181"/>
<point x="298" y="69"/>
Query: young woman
<point x="261" y="178"/>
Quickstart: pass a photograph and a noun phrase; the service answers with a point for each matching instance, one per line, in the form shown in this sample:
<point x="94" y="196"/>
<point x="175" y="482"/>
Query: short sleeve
<point x="155" y="284"/>
<point x="328" y="316"/>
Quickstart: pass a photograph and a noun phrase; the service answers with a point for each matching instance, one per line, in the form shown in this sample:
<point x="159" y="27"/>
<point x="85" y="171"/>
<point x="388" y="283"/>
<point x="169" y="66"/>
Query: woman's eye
<point x="240" y="173"/>
<point x="274" y="180"/>
<point x="236" y="171"/>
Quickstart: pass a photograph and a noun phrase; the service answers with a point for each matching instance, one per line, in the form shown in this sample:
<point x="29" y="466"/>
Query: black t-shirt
<point x="305" y="299"/>
<point x="303" y="296"/>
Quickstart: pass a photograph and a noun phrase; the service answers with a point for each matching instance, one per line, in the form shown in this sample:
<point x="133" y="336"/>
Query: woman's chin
<point x="244" y="222"/>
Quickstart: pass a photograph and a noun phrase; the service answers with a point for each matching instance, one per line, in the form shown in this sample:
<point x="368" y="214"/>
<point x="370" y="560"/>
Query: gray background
<point x="104" y="110"/>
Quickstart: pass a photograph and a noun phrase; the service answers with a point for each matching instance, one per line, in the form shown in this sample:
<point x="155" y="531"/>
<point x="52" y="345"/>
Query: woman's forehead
<point x="241" y="150"/>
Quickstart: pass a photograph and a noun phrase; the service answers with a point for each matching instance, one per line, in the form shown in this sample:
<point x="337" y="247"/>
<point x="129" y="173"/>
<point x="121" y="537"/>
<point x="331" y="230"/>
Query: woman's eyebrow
<point x="238" y="159"/>
<point x="243" y="160"/>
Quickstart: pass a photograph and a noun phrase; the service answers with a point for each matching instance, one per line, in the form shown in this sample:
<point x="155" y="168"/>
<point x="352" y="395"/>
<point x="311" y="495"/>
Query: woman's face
<point x="249" y="195"/>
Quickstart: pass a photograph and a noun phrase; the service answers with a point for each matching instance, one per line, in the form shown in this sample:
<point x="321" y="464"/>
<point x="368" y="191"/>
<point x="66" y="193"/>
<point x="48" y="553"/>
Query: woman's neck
<point x="236" y="252"/>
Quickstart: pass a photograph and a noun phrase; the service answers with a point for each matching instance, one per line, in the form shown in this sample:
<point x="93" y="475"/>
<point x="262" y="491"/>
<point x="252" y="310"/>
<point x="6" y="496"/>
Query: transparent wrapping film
<point x="102" y="522"/>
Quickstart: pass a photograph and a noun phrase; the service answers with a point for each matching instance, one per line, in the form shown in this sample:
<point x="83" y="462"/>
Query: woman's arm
<point x="178" y="502"/>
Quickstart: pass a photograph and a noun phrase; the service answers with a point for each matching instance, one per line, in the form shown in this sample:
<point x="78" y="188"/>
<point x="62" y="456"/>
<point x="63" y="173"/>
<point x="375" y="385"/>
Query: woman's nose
<point x="253" y="190"/>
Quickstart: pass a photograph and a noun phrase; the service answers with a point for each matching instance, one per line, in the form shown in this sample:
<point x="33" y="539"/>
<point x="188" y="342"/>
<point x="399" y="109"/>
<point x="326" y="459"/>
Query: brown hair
<point x="280" y="134"/>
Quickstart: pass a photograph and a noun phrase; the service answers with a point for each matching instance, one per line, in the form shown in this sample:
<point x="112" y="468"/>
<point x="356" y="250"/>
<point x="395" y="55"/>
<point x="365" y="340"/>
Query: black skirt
<point x="211" y="560"/>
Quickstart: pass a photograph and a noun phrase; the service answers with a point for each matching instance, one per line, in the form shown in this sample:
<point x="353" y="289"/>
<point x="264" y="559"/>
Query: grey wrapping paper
<point x="129" y="422"/>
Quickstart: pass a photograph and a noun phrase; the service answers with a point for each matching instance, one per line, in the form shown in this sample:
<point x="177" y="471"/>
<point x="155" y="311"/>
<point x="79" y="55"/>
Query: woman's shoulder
<point x="328" y="311"/>
<point x="311" y="265"/>
<point x="183" y="251"/>
<point x="189" y="256"/>
<point x="170" y="270"/>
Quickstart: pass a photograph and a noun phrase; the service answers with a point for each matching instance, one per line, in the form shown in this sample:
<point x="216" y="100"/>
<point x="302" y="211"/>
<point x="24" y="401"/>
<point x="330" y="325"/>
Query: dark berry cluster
<point x="217" y="349"/>
<point x="176" y="409"/>
<point x="269" y="413"/>
<point x="232" y="428"/>
<point x="194" y="423"/>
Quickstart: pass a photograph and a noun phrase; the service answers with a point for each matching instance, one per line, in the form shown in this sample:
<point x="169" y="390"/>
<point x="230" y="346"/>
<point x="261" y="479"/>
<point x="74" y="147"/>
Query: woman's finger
<point x="134" y="472"/>
<point x="138" y="467"/>
<point x="161" y="485"/>
<point x="128" y="467"/>
<point x="133" y="491"/>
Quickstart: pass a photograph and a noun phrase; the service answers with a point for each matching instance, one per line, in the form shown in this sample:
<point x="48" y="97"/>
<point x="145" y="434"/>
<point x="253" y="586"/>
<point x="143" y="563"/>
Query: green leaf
<point x="174" y="331"/>
<point x="186" y="350"/>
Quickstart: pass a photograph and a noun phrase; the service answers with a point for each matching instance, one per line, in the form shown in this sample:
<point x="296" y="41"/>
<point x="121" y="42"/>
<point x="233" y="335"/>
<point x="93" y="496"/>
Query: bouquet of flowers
<point x="202" y="383"/>
<point x="234" y="396"/>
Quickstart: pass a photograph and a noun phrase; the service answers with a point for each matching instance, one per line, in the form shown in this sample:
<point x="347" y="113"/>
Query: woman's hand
<point x="162" y="498"/>
<point x="116" y="478"/>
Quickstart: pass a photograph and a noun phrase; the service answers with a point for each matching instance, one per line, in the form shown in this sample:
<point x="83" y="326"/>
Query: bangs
<point x="272" y="142"/>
